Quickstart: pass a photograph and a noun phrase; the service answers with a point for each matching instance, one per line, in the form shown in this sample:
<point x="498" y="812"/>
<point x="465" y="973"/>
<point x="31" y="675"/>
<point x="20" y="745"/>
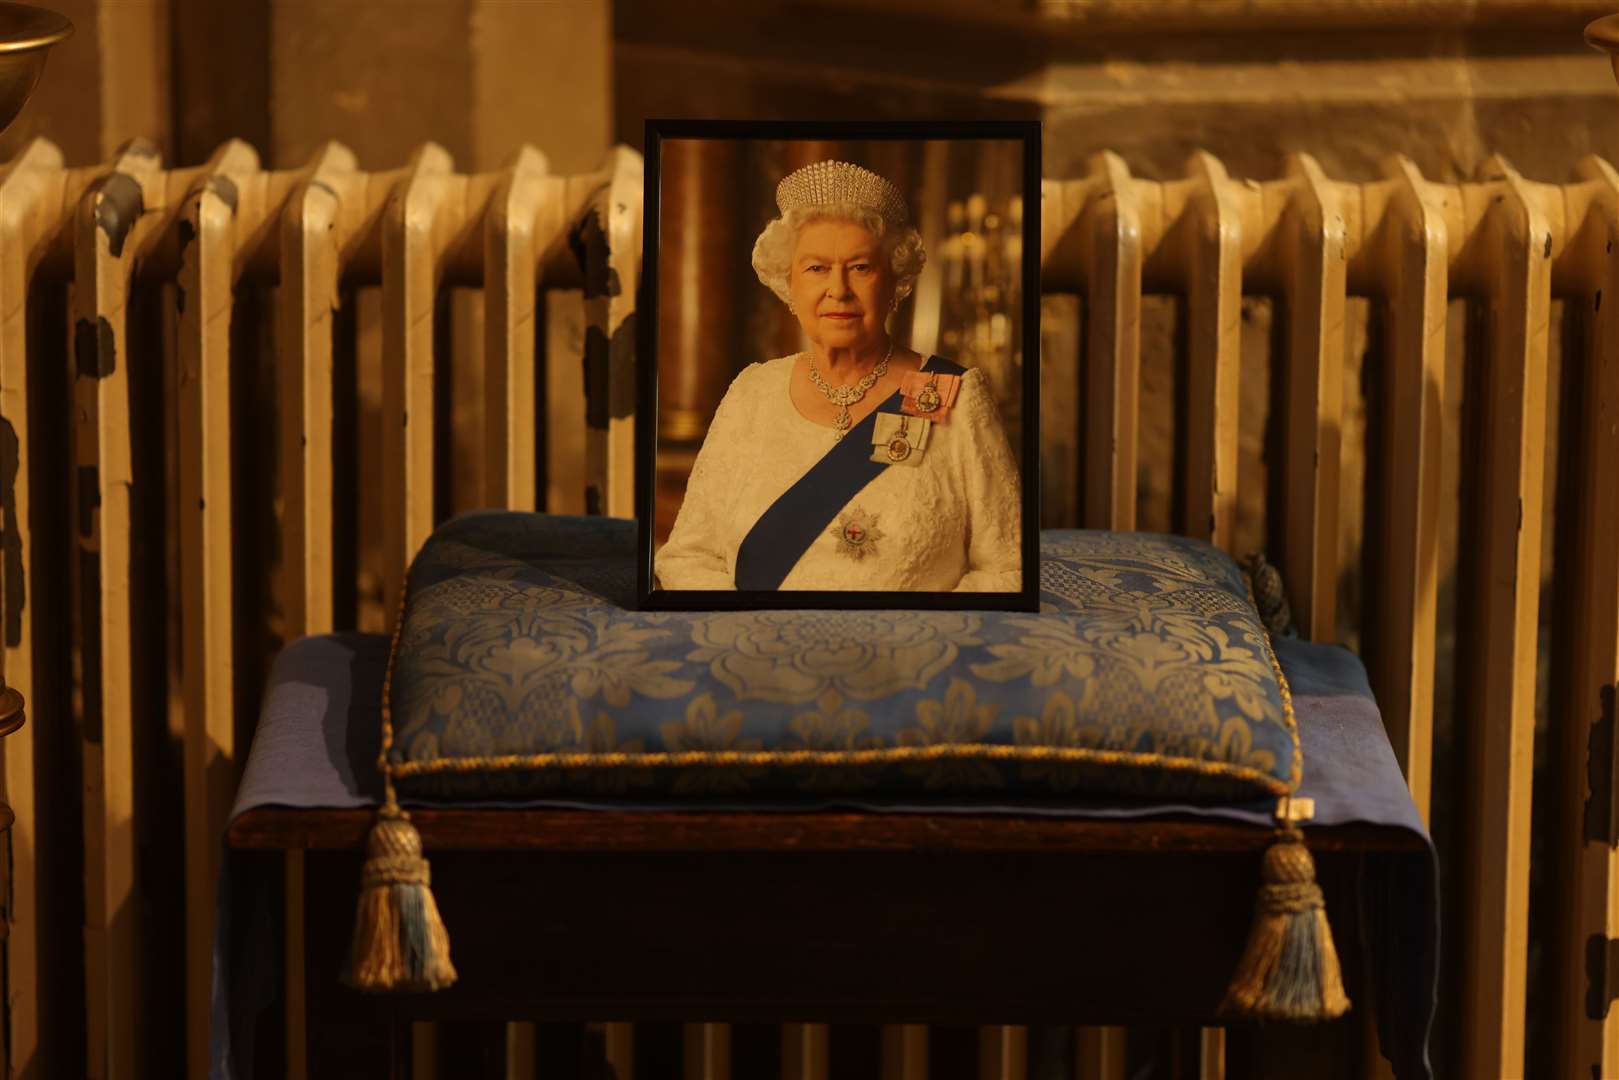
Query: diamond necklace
<point x="844" y="396"/>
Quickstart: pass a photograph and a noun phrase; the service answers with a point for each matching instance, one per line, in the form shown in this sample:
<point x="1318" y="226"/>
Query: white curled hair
<point x="773" y="251"/>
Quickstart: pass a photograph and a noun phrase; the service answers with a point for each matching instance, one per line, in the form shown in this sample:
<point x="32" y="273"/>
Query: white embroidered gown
<point x="952" y="522"/>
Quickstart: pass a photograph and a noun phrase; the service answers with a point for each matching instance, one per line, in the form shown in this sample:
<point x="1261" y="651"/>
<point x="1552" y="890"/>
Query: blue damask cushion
<point x="520" y="670"/>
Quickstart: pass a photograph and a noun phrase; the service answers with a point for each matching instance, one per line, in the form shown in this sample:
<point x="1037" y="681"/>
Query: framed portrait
<point x="838" y="351"/>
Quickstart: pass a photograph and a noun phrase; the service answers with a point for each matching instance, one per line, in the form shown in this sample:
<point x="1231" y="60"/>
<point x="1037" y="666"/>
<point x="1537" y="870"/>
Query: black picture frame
<point x="1026" y="444"/>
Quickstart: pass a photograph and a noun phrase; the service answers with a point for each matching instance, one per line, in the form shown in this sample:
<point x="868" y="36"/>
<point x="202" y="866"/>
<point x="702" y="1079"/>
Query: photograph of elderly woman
<point x="840" y="350"/>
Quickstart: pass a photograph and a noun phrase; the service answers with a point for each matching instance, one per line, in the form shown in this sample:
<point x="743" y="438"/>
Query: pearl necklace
<point x="844" y="396"/>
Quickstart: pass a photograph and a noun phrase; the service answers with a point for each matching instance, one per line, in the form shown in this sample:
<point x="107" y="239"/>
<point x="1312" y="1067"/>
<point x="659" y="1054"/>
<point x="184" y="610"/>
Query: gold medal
<point x="899" y="447"/>
<point x="901" y="439"/>
<point x="928" y="398"/>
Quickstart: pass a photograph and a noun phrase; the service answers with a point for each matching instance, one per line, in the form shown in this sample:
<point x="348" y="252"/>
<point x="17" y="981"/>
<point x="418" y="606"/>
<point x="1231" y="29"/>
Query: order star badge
<point x="857" y="533"/>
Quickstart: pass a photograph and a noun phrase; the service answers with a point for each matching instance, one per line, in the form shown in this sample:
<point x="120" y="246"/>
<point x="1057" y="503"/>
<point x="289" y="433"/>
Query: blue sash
<point x="786" y="530"/>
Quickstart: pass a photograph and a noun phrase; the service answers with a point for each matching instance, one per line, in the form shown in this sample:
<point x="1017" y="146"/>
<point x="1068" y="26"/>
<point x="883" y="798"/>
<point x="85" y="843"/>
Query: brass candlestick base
<point x="26" y="35"/>
<point x="11" y="711"/>
<point x="1603" y="33"/>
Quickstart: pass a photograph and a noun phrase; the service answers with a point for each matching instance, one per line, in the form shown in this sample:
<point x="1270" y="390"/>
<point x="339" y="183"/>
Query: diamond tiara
<point x="827" y="183"/>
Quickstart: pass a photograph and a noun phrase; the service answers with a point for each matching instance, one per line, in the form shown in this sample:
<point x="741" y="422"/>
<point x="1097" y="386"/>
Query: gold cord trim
<point x="390" y="798"/>
<point x="1296" y="773"/>
<point x="749" y="758"/>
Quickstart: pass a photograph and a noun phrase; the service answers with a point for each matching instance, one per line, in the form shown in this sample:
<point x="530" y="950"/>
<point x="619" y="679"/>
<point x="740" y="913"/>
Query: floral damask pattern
<point x="1047" y="650"/>
<point x="601" y="740"/>
<point x="832" y="725"/>
<point x="1058" y="725"/>
<point x="519" y="670"/>
<point x="798" y="655"/>
<point x="835" y="726"/>
<point x="507" y="681"/>
<point x="956" y="720"/>
<point x="705" y="730"/>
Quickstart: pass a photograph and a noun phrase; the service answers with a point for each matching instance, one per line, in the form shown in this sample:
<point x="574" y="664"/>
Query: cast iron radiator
<point x="1406" y="391"/>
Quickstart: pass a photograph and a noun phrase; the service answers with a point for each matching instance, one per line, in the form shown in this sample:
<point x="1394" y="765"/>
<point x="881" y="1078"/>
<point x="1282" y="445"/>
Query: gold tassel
<point x="1289" y="970"/>
<point x="399" y="938"/>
